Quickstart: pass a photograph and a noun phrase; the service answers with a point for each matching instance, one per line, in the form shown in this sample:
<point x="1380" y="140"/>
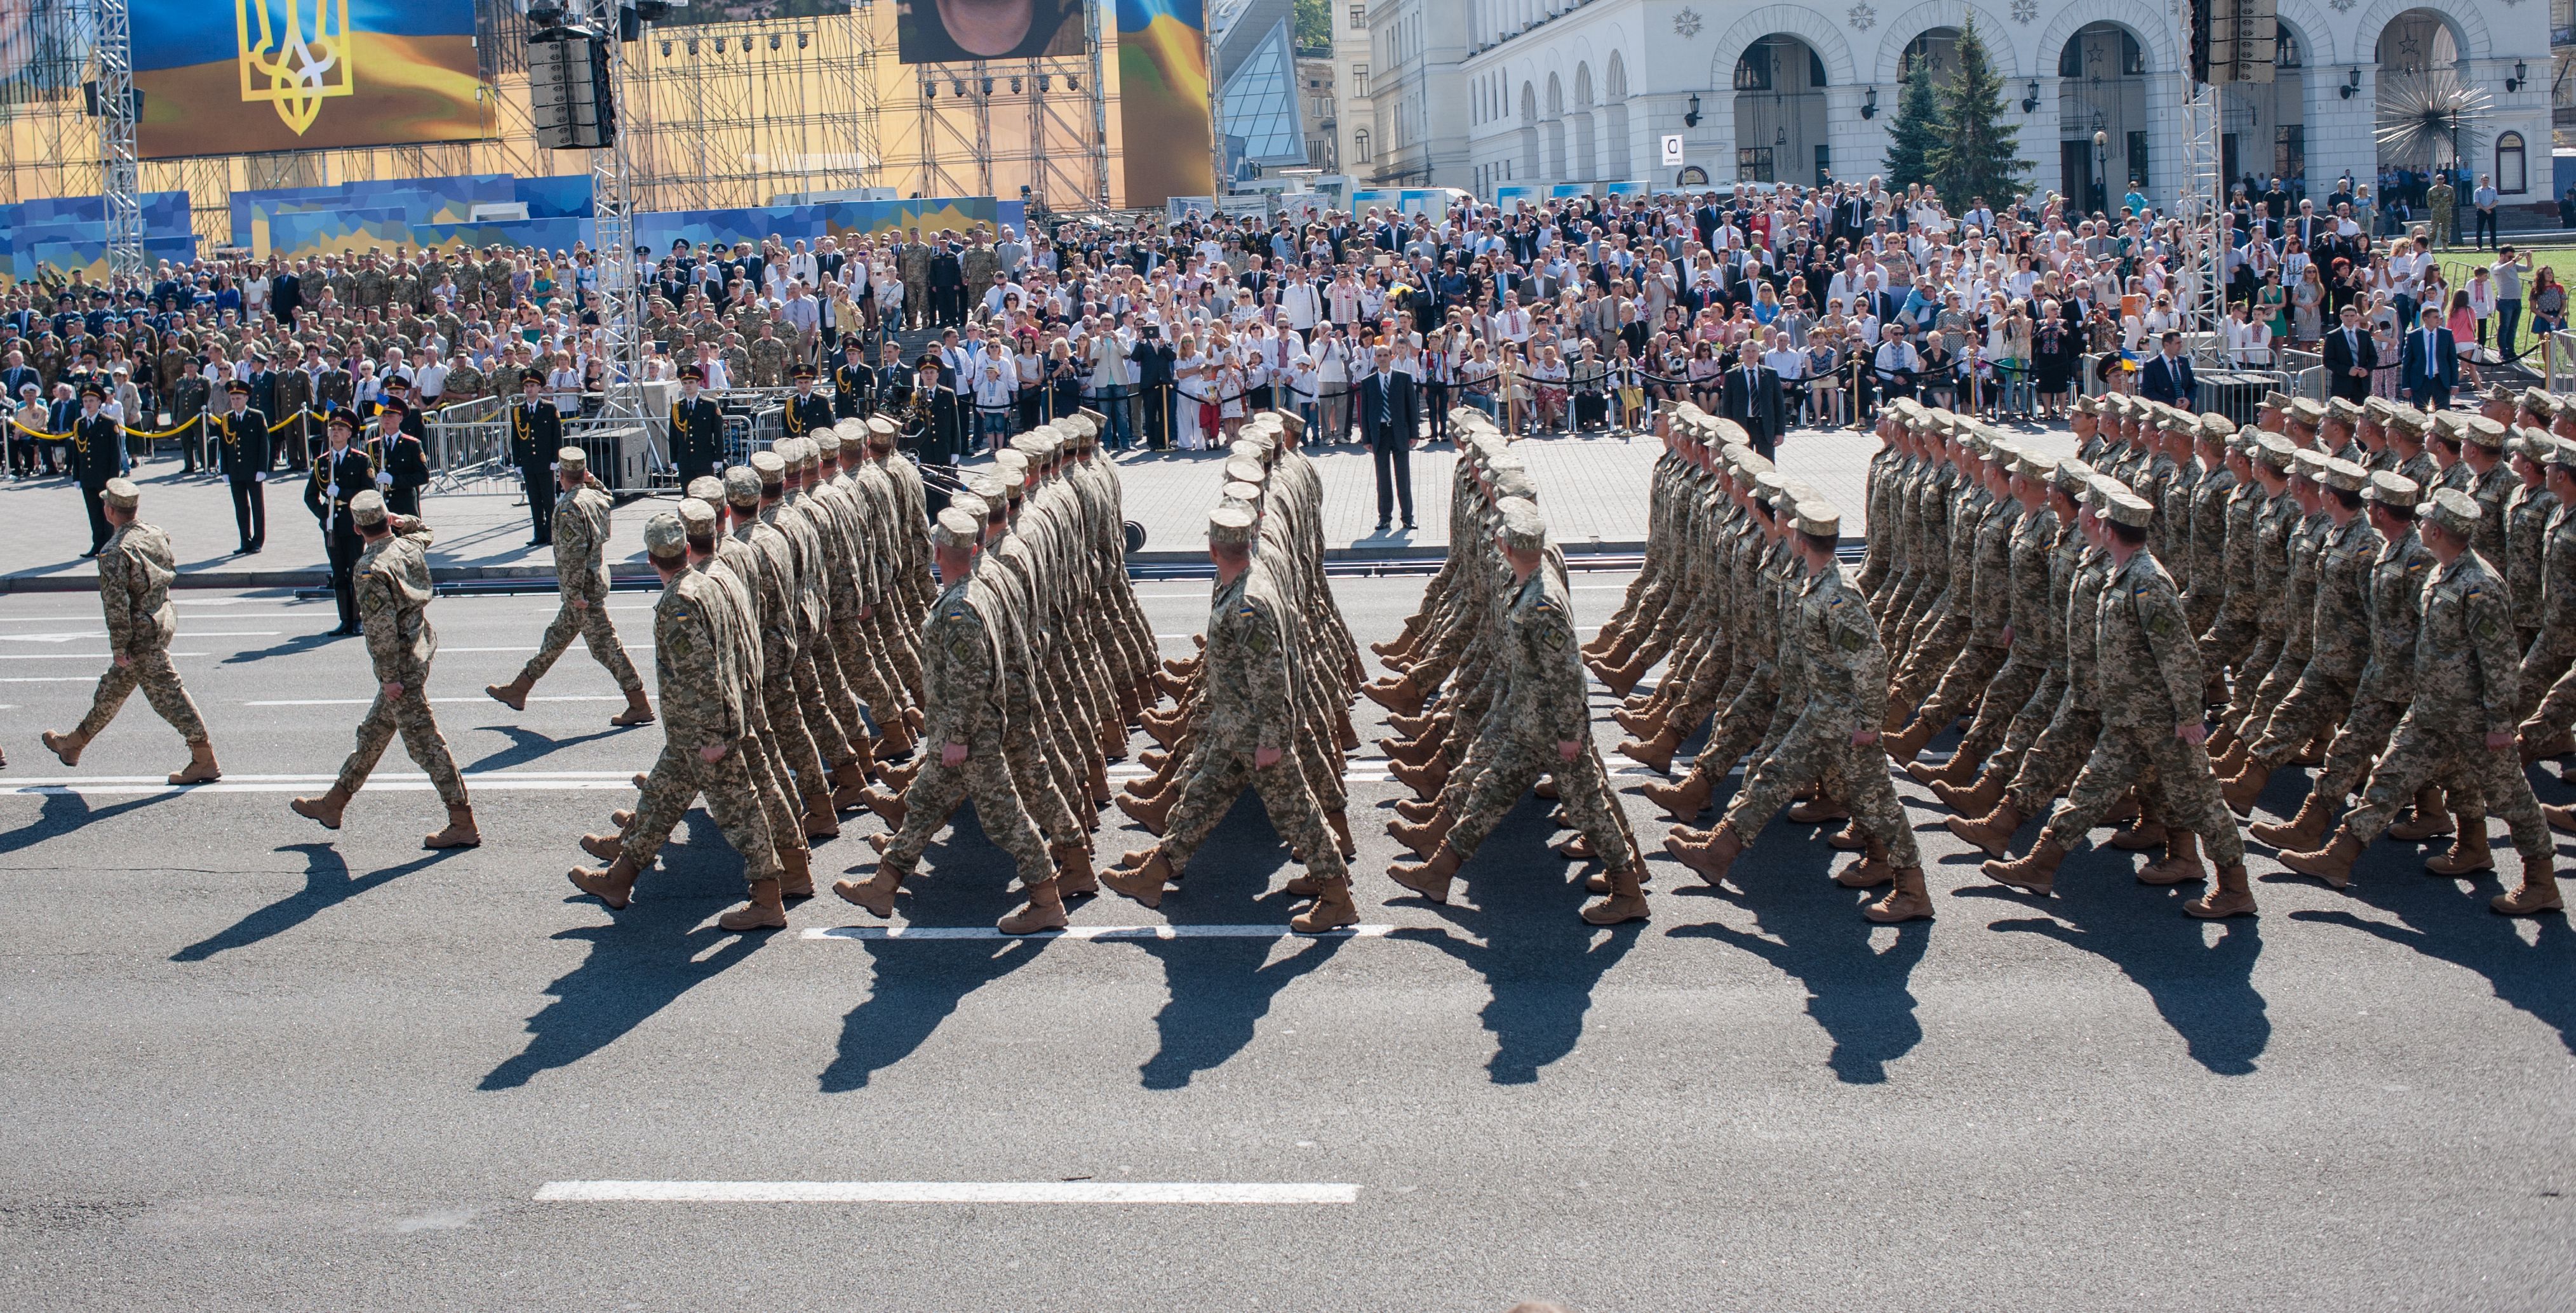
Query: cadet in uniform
<point x="134" y="574"/>
<point x="580" y="538"/>
<point x="242" y="449"/>
<point x="697" y="428"/>
<point x="340" y="473"/>
<point x="536" y="431"/>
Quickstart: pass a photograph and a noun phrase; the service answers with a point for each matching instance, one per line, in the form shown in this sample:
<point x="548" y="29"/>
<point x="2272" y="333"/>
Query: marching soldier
<point x="134" y="574"/>
<point x="393" y="590"/>
<point x="581" y="532"/>
<point x="242" y="448"/>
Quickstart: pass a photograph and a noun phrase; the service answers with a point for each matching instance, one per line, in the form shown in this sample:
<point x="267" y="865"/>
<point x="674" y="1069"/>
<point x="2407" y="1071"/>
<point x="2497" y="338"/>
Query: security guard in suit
<point x="242" y="451"/>
<point x="806" y="413"/>
<point x="403" y="462"/>
<point x="98" y="455"/>
<point x="340" y="472"/>
<point x="536" y="434"/>
<point x="697" y="429"/>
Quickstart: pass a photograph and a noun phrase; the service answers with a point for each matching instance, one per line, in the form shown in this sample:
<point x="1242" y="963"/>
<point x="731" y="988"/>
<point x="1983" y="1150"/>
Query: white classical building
<point x="1484" y="93"/>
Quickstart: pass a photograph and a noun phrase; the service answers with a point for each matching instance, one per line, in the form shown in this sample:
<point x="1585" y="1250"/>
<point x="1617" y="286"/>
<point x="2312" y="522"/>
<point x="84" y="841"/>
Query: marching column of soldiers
<point x="2365" y="588"/>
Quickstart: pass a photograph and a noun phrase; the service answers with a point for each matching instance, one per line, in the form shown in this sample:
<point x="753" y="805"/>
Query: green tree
<point x="1314" y="24"/>
<point x="1914" y="134"/>
<point x="1976" y="154"/>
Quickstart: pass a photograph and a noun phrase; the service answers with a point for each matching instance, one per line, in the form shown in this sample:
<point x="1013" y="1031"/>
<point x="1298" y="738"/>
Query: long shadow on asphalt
<point x="642" y="961"/>
<point x="62" y="813"/>
<point x="2448" y="920"/>
<point x="2204" y="990"/>
<point x="287" y="647"/>
<point x="527" y="745"/>
<point x="1539" y="960"/>
<point x="916" y="984"/>
<point x="326" y="885"/>
<point x="1811" y="928"/>
<point x="1222" y="988"/>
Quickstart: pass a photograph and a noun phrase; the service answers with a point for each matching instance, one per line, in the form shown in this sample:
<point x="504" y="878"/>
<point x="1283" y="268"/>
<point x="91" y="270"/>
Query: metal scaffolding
<point x="120" y="180"/>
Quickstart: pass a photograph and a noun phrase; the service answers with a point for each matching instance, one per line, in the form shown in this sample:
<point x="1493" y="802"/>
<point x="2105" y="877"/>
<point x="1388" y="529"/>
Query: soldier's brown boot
<point x="2301" y="832"/>
<point x="881" y="841"/>
<point x="327" y="809"/>
<point x="2231" y="895"/>
<point x="1573" y="848"/>
<point x="605" y="847"/>
<point x="2332" y="863"/>
<point x="1712" y="857"/>
<point x="1073" y="874"/>
<point x="2220" y="742"/>
<point x="1848" y="839"/>
<point x="1681" y="801"/>
<point x="1904" y="745"/>
<point x="766" y="910"/>
<point x="2537" y="893"/>
<point x="796" y="866"/>
<point x="2313" y="752"/>
<point x="1977" y="798"/>
<point x="2143" y="835"/>
<point x="1871" y="871"/>
<point x="1140" y="876"/>
<point x="1626" y="900"/>
<point x="1416" y="810"/>
<point x="68" y="747"/>
<point x="201" y="767"/>
<point x="1622" y="680"/>
<point x="460" y="831"/>
<point x="1958" y="770"/>
<point x="1909" y="900"/>
<point x="1423" y="840"/>
<point x="641" y="779"/>
<point x="2432" y="818"/>
<point x="1429" y="878"/>
<point x="1339" y="822"/>
<point x="2213" y="691"/>
<point x="1655" y="754"/>
<point x="2181" y="863"/>
<point x="1637" y="723"/>
<point x="1165" y="730"/>
<point x="821" y="822"/>
<point x="2561" y="816"/>
<point x="876" y="894"/>
<point x="1398" y="694"/>
<point x="1412" y="752"/>
<point x="2241" y="792"/>
<point x="1410" y="727"/>
<point x="621" y="818"/>
<point x="1169" y="684"/>
<point x="1545" y="788"/>
<point x="1152" y="813"/>
<point x="888" y="806"/>
<point x="1818" y="810"/>
<point x="614" y="886"/>
<point x="1993" y="831"/>
<point x="2033" y="872"/>
<point x="514" y="694"/>
<point x="2538" y="743"/>
<point x="1424" y="780"/>
<point x="639" y="711"/>
<point x="1331" y="910"/>
<point x="1044" y="910"/>
<point x="2469" y="852"/>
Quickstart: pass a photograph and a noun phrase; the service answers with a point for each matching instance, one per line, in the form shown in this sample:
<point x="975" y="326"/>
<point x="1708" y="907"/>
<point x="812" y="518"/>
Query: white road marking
<point x="74" y="656"/>
<point x="443" y="649"/>
<point x="126" y="786"/>
<point x="68" y="635"/>
<point x="880" y="932"/>
<point x="50" y="679"/>
<point x="362" y="702"/>
<point x="948" y="1192"/>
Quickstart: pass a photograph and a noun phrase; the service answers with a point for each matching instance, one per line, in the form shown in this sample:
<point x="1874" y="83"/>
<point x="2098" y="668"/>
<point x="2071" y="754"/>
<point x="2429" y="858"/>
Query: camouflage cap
<point x="1755" y="463"/>
<point x="1769" y="486"/>
<point x="121" y="494"/>
<point x="770" y="466"/>
<point x="2390" y="488"/>
<point x="1515" y="482"/>
<point x="367" y="507"/>
<point x="2129" y="508"/>
<point x="2562" y="454"/>
<point x="1232" y="526"/>
<point x="1241" y="470"/>
<point x="2454" y="510"/>
<point x="957" y="526"/>
<point x="1819" y="517"/>
<point x="2097" y="492"/>
<point x="2539" y="402"/>
<point x="1730" y="431"/>
<point x="827" y="444"/>
<point x="2276" y="400"/>
<point x="664" y="537"/>
<point x="2378" y="408"/>
<point x="2445" y="424"/>
<point x="984" y="485"/>
<point x="881" y="431"/>
<point x="697" y="518"/>
<point x="573" y="459"/>
<point x="1248" y="449"/>
<point x="2527" y="440"/>
<point x="707" y="488"/>
<point x="2343" y="409"/>
<point x="1247" y="493"/>
<point x="2215" y="425"/>
<point x="2033" y="465"/>
<point x="2086" y="405"/>
<point x="2484" y="430"/>
<point x="2309" y="413"/>
<point x="2308" y="463"/>
<point x="1010" y="460"/>
<point x="2344" y="476"/>
<point x="2497" y="392"/>
<point x="2407" y="420"/>
<point x="742" y="486"/>
<point x="1523" y="528"/>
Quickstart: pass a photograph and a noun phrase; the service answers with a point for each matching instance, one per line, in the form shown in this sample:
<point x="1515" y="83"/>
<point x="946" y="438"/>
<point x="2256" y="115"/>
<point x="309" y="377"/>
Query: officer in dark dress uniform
<point x="242" y="451"/>
<point x="805" y="411"/>
<point x="853" y="384"/>
<point x="403" y="461"/>
<point x="340" y="472"/>
<point x="536" y="434"/>
<point x="932" y="432"/>
<point x="697" y="429"/>
<point x="97" y="455"/>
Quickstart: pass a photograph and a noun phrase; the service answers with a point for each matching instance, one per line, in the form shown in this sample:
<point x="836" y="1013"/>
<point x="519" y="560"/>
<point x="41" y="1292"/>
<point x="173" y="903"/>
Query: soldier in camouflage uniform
<point x="698" y="644"/>
<point x="964" y="736"/>
<point x="2067" y="557"/>
<point x="2339" y="646"/>
<point x="2461" y="717"/>
<point x="768" y="359"/>
<point x="134" y="573"/>
<point x="2151" y="719"/>
<point x="394" y="588"/>
<point x="581" y="529"/>
<point x="2028" y="630"/>
<point x="2548" y="671"/>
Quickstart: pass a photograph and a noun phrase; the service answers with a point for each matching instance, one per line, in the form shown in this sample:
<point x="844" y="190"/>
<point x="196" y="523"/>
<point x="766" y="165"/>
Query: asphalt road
<point x="255" y="1065"/>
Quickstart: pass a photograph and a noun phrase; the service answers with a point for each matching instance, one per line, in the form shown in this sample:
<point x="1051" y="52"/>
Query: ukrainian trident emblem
<point x="295" y="70"/>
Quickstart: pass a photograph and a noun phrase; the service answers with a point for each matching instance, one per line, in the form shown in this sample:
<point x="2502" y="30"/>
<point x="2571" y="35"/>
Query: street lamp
<point x="2521" y="72"/>
<point x="2102" y="170"/>
<point x="1691" y="119"/>
<point x="1869" y="104"/>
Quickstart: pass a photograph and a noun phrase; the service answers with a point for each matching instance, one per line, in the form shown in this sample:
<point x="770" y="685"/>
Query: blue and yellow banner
<point x="1164" y="100"/>
<point x="224" y="77"/>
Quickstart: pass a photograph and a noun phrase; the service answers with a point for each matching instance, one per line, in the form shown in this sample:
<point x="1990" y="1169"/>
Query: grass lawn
<point x="2460" y="261"/>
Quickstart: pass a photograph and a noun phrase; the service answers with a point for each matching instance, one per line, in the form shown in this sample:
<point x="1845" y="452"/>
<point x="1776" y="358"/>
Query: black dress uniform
<point x="242" y="449"/>
<point x="934" y="436"/>
<point x="536" y="434"/>
<point x="852" y="384"/>
<point x="406" y="463"/>
<point x="97" y="443"/>
<point x="805" y="413"/>
<point x="697" y="434"/>
<point x="337" y="477"/>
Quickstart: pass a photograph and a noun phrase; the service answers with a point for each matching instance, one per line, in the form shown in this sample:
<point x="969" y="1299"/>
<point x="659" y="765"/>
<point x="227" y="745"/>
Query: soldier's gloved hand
<point x="1262" y="758"/>
<point x="1568" y="749"/>
<point x="712" y="753"/>
<point x="2192" y="731"/>
<point x="952" y="755"/>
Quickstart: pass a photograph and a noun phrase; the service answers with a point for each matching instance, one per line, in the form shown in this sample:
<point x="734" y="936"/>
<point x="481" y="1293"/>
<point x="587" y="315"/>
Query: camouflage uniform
<point x="581" y="528"/>
<point x="394" y="588"/>
<point x="1545" y="705"/>
<point x="134" y="574"/>
<point x="707" y="701"/>
<point x="1843" y="671"/>
<point x="962" y="669"/>
<point x="1250" y="705"/>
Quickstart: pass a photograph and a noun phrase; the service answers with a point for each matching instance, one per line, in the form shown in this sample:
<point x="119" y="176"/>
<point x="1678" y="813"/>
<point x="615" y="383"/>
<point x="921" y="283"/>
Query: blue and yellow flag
<point x="221" y="77"/>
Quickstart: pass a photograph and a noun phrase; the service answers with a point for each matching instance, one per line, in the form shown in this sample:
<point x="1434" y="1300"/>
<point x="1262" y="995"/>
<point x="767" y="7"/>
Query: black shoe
<point x="344" y="631"/>
<point x="1381" y="526"/>
<point x="1408" y="526"/>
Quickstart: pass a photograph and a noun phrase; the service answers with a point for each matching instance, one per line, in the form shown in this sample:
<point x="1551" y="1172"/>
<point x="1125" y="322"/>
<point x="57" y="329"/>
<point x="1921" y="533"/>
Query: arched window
<point x="2512" y="174"/>
<point x="1360" y="149"/>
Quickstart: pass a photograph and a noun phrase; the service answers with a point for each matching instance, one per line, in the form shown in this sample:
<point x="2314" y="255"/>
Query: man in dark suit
<point x="286" y="296"/>
<point x="1386" y="424"/>
<point x="934" y="432"/>
<point x="1155" y="362"/>
<point x="1752" y="398"/>
<point x="2431" y="363"/>
<point x="947" y="286"/>
<point x="2167" y="377"/>
<point x="697" y="429"/>
<point x="340" y="472"/>
<point x="98" y="454"/>
<point x="402" y="461"/>
<point x="536" y="434"/>
<point x="2350" y="356"/>
<point x="242" y="452"/>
